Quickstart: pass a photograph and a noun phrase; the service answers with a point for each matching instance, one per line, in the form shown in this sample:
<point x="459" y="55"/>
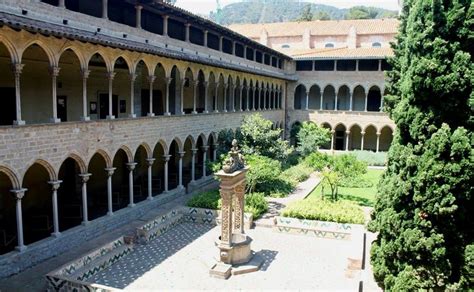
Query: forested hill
<point x="265" y="11"/>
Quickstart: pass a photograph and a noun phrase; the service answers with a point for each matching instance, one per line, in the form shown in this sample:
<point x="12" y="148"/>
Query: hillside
<point x="265" y="11"/>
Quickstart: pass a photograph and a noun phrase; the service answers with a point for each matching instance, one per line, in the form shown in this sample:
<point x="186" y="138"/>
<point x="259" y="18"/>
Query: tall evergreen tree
<point x="425" y="213"/>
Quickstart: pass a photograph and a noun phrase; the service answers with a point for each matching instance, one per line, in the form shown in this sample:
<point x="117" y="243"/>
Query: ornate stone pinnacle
<point x="236" y="160"/>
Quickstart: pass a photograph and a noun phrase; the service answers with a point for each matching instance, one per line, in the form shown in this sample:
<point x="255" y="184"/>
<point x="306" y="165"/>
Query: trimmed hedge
<point x="317" y="209"/>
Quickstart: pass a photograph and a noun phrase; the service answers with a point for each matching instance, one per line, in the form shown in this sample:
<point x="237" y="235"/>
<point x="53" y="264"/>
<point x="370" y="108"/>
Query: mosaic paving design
<point x="146" y="257"/>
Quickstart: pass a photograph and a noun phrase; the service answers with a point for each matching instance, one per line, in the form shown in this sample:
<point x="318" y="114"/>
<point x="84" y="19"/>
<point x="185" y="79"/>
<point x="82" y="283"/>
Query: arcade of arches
<point x="46" y="202"/>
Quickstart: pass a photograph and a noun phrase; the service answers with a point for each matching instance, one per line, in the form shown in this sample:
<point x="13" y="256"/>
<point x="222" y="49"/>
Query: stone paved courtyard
<point x="181" y="258"/>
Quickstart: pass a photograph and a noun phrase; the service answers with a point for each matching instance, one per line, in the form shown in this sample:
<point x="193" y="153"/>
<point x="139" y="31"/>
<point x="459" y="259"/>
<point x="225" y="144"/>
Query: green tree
<point x="424" y="215"/>
<point x="310" y="137"/>
<point x="259" y="138"/>
<point x="361" y="12"/>
<point x="322" y="15"/>
<point x="306" y="14"/>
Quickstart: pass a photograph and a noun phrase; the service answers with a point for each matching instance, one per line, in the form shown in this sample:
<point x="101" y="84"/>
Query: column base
<point x="110" y="117"/>
<point x="150" y="114"/>
<point x="85" y="119"/>
<point x="110" y="213"/>
<point x="183" y="113"/>
<point x="194" y="112"/>
<point x="150" y="198"/>
<point x="21" y="248"/>
<point x="180" y="187"/>
<point x="19" y="123"/>
<point x="85" y="223"/>
<point x="56" y="234"/>
<point x="131" y="205"/>
<point x="132" y="116"/>
<point x="55" y="120"/>
<point x="225" y="111"/>
<point x="206" y="112"/>
<point x="167" y="114"/>
<point x="216" y="111"/>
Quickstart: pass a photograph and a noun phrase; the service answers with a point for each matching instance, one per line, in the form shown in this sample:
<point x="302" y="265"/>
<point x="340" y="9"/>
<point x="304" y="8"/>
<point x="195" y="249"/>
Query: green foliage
<point x="317" y="209"/>
<point x="310" y="137"/>
<point x="267" y="11"/>
<point x="318" y="160"/>
<point x="349" y="168"/>
<point x="424" y="215"/>
<point x="259" y="138"/>
<point x="322" y="15"/>
<point x="306" y="14"/>
<point x="371" y="158"/>
<point x="362" y="12"/>
<point x="206" y="200"/>
<point x="224" y="139"/>
<point x="255" y="203"/>
<point x="297" y="173"/>
<point x="330" y="179"/>
<point x="263" y="171"/>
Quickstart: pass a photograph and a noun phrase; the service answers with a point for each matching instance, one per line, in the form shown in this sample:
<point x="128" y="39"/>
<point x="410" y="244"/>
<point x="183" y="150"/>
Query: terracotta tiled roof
<point x="338" y="53"/>
<point x="319" y="27"/>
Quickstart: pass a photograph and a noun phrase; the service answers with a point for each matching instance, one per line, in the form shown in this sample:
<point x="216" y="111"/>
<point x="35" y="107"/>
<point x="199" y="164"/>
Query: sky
<point x="203" y="7"/>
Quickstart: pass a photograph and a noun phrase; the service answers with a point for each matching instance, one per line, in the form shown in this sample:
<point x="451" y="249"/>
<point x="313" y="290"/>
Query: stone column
<point x="131" y="167"/>
<point x="245" y="52"/>
<point x="233" y="48"/>
<point x="362" y="140"/>
<point x="55" y="186"/>
<point x="105" y="13"/>
<point x="378" y="142"/>
<point x="335" y="102"/>
<point x="232" y="98"/>
<point x="85" y="75"/>
<point x="241" y="100"/>
<point x="133" y="77"/>
<point x="381" y="103"/>
<point x="17" y="69"/>
<point x="205" y="38"/>
<point x="321" y="100"/>
<point x="365" y="104"/>
<point x="181" y="94"/>
<point x="351" y="105"/>
<point x="221" y="42"/>
<point x="204" y="158"/>
<point x="138" y="16"/>
<point x="239" y="195"/>
<point x="165" y="25"/>
<point x="216" y="89"/>
<point x="167" y="96"/>
<point x="180" y="170"/>
<point x="54" y="71"/>
<point x="206" y="93"/>
<point x="193" y="166"/>
<point x="195" y="93"/>
<point x="226" y="230"/>
<point x="265" y="90"/>
<point x="214" y="150"/>
<point x="110" y="171"/>
<point x="186" y="33"/>
<point x="332" y="139"/>
<point x="62" y="4"/>
<point x="85" y="214"/>
<point x="166" y="158"/>
<point x="259" y="97"/>
<point x="306" y="107"/>
<point x="18" y="196"/>
<point x="247" y="107"/>
<point x="110" y="76"/>
<point x="149" y="162"/>
<point x="347" y="140"/>
<point x="151" y="79"/>
<point x="226" y="87"/>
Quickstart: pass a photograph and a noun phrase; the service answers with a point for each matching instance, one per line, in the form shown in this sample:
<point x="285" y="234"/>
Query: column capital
<point x="362" y="133"/>
<point x="194" y="151"/>
<point x="333" y="131"/>
<point x="226" y="85"/>
<point x="85" y="73"/>
<point x="18" y="194"/>
<point x="131" y="165"/>
<point x="168" y="80"/>
<point x="378" y="134"/>
<point x="151" y="78"/>
<point x="165" y="16"/>
<point x="206" y="83"/>
<point x="183" y="81"/>
<point x="187" y="24"/>
<point x="110" y="170"/>
<point x="196" y="82"/>
<point x="111" y="75"/>
<point x="181" y="154"/>
<point x="85" y="177"/>
<point x="166" y="157"/>
<point x="150" y="161"/>
<point x="17" y="68"/>
<point x="205" y="148"/>
<point x="54" y="71"/>
<point x="348" y="132"/>
<point x="55" y="184"/>
<point x="138" y="7"/>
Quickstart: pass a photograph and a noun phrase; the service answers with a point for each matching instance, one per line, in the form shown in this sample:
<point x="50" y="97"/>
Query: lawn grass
<point x="361" y="196"/>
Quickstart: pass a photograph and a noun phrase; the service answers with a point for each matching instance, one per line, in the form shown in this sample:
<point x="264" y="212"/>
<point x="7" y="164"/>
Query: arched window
<point x="376" y="45"/>
<point x="329" y="45"/>
<point x="285" y="46"/>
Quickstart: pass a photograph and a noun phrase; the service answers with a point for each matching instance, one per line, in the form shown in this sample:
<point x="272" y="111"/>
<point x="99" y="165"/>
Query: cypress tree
<point x="424" y="215"/>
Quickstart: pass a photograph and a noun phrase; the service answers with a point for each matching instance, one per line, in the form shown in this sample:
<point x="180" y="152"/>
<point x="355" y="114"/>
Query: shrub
<point x="310" y="137"/>
<point x="206" y="200"/>
<point x="318" y="161"/>
<point x="317" y="209"/>
<point x="263" y="171"/>
<point x="297" y="173"/>
<point x="371" y="158"/>
<point x="256" y="204"/>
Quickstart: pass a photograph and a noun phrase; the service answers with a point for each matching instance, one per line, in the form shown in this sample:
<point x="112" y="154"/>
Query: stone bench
<point x="159" y="225"/>
<point x="209" y="216"/>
